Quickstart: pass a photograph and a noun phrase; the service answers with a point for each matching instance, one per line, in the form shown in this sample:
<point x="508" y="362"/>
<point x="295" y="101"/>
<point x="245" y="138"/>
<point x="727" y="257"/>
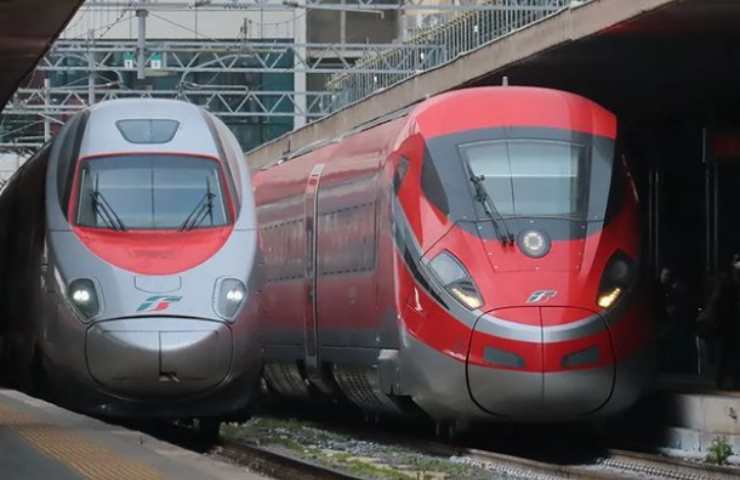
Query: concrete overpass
<point x="27" y="30"/>
<point x="644" y="59"/>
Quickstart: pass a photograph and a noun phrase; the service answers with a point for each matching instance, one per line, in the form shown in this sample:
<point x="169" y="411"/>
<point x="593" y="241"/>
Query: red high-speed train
<point x="475" y="257"/>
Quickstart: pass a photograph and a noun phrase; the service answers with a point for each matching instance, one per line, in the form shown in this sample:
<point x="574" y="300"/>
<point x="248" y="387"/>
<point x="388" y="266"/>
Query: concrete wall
<point x="324" y="27"/>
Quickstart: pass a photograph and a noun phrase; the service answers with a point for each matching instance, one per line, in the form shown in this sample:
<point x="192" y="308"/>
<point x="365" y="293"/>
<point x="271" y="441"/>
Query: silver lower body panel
<point x="158" y="357"/>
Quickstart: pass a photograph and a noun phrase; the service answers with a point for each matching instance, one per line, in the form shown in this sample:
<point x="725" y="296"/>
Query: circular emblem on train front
<point x="534" y="243"/>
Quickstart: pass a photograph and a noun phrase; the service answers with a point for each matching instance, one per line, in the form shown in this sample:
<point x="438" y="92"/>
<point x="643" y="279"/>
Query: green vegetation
<point x="719" y="451"/>
<point x="342" y="452"/>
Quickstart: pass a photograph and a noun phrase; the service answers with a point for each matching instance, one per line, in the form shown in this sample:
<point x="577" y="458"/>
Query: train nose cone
<point x="540" y="363"/>
<point x="158" y="356"/>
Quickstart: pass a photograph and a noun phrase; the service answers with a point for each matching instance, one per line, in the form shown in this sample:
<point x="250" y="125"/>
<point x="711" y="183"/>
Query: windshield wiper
<point x="498" y="220"/>
<point x="202" y="210"/>
<point x="104" y="209"/>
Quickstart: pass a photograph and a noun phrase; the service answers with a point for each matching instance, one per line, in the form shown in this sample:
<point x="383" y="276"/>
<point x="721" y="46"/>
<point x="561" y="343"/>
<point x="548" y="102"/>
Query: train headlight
<point x="534" y="244"/>
<point x="453" y="276"/>
<point x="608" y="298"/>
<point x="230" y="296"/>
<point x="84" y="297"/>
<point x="617" y="277"/>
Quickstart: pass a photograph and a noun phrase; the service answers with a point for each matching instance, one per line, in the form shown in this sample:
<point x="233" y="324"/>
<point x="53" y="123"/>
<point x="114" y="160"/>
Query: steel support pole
<point x="300" y="53"/>
<point x="342" y="26"/>
<point x="91" y="66"/>
<point x="47" y="123"/>
<point x="141" y="14"/>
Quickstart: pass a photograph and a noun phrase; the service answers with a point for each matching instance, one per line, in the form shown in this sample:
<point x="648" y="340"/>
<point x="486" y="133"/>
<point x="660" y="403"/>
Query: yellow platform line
<point x="92" y="461"/>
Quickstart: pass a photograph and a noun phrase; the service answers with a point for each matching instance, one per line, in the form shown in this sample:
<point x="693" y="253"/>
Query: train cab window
<point x="530" y="177"/>
<point x="151" y="192"/>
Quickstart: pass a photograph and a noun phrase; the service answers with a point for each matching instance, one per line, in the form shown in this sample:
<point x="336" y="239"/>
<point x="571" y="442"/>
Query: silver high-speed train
<point x="128" y="265"/>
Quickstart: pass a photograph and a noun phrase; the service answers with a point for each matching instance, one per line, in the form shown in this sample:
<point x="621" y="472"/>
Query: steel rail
<point x="278" y="464"/>
<point x="667" y="467"/>
<point x="614" y="465"/>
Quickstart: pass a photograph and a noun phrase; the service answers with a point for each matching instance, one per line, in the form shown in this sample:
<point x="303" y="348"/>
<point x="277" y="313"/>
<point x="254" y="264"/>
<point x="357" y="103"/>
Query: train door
<point x="677" y="235"/>
<point x="723" y="193"/>
<point x="311" y="206"/>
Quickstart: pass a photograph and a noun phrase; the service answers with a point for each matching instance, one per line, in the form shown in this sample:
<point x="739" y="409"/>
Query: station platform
<point x="40" y="441"/>
<point x="695" y="414"/>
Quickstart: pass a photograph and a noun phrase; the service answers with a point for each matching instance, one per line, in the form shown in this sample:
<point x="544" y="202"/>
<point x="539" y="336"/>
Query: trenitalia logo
<point x="542" y="296"/>
<point x="158" y="303"/>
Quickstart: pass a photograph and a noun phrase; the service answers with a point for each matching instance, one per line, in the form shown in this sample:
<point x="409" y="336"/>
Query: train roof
<point x="500" y="107"/>
<point x="593" y="119"/>
<point x="147" y="125"/>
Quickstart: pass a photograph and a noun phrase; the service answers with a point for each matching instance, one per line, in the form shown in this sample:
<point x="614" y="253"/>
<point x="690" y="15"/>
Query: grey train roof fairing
<point x="103" y="137"/>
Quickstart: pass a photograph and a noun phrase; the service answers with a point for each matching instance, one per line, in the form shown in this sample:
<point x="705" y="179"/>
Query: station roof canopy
<point x="681" y="57"/>
<point x="27" y="29"/>
<point x="643" y="59"/>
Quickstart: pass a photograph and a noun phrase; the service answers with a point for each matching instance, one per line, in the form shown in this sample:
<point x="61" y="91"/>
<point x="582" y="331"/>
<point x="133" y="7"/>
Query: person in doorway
<point x="676" y="333"/>
<point x="718" y="329"/>
<point x="728" y="371"/>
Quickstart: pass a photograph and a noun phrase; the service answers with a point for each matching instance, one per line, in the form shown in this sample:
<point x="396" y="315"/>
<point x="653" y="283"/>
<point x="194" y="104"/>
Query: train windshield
<point x="531" y="178"/>
<point x="151" y="192"/>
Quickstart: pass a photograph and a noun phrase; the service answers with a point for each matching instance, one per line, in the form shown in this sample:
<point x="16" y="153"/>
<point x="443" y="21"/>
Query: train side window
<point x="431" y="185"/>
<point x="69" y="152"/>
<point x="225" y="142"/>
<point x="400" y="173"/>
<point x="283" y="249"/>
<point x="618" y="188"/>
<point x="352" y="241"/>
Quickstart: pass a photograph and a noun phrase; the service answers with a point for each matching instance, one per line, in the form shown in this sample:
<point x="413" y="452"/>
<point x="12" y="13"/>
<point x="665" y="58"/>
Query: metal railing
<point x="463" y="33"/>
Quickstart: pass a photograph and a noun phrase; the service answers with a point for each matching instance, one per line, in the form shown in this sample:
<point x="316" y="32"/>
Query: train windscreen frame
<point x="151" y="192"/>
<point x="531" y="177"/>
<point x="446" y="178"/>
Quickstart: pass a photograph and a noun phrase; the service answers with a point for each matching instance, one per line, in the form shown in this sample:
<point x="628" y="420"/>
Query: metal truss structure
<point x="105" y="69"/>
<point x="237" y="102"/>
<point x="40" y="109"/>
<point x="282" y="5"/>
<point x="97" y="69"/>
<point x="205" y="56"/>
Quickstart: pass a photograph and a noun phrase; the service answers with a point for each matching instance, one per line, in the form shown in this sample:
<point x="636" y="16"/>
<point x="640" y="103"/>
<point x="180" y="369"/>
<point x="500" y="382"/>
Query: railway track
<point x="666" y="467"/>
<point x="617" y="464"/>
<point x="600" y="465"/>
<point x="608" y="464"/>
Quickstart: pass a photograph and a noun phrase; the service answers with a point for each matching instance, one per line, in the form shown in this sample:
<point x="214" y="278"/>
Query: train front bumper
<point x="527" y="363"/>
<point x="158" y="357"/>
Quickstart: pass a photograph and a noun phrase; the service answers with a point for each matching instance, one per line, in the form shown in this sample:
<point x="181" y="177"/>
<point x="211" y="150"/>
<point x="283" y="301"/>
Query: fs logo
<point x="542" y="296"/>
<point x="157" y="303"/>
